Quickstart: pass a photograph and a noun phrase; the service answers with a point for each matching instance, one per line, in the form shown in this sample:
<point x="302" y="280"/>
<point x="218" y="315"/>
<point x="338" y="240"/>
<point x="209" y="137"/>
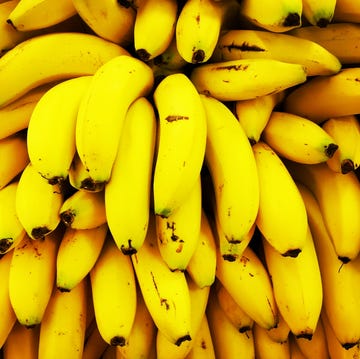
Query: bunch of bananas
<point x="179" y="179"/>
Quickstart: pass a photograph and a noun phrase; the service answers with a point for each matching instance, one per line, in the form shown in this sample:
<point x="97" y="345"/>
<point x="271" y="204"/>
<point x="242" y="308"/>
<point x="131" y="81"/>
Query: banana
<point x="114" y="294"/>
<point x="67" y="54"/>
<point x="232" y="166"/>
<point x="38" y="14"/>
<point x="34" y="190"/>
<point x="245" y="79"/>
<point x="339" y="280"/>
<point x="347" y="11"/>
<point x="282" y="16"/>
<point x="298" y="138"/>
<point x="78" y="252"/>
<point x="32" y="277"/>
<point x="281" y="332"/>
<point x="254" y="114"/>
<point x="51" y="144"/>
<point x="62" y="331"/>
<point x="282" y="216"/>
<point x="108" y="19"/>
<point x="15" y="157"/>
<point x="94" y="345"/>
<point x="249" y="284"/>
<point x="319" y="13"/>
<point x="181" y="142"/>
<point x="128" y="192"/>
<point x="166" y="293"/>
<point x="154" y="27"/>
<point x="239" y="44"/>
<point x="295" y="352"/>
<point x="84" y="210"/>
<point x="346" y="132"/>
<point x="334" y="190"/>
<point x="323" y="97"/>
<point x="297" y="287"/>
<point x="11" y="229"/>
<point x="115" y="85"/>
<point x="78" y="175"/>
<point x="202" y="265"/>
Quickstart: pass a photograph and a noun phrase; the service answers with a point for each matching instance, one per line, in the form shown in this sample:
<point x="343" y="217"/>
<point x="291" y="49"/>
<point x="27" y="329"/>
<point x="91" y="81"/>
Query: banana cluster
<point x="179" y="179"/>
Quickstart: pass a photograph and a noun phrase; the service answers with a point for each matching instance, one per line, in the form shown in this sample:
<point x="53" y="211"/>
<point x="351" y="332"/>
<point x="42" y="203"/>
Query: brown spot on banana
<point x="245" y="46"/>
<point x="172" y="118"/>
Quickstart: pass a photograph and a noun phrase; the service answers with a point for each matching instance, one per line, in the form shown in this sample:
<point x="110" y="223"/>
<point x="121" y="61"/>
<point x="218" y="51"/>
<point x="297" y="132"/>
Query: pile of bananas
<point x="179" y="179"/>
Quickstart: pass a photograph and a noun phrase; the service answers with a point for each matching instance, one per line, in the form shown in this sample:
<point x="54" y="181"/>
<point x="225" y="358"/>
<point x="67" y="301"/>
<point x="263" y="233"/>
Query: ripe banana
<point x="78" y="252"/>
<point x="282" y="216"/>
<point x="239" y="44"/>
<point x="114" y="294"/>
<point x="166" y="293"/>
<point x="67" y="54"/>
<point x="34" y="190"/>
<point x="347" y="11"/>
<point x="334" y="190"/>
<point x="180" y="144"/>
<point x="319" y="13"/>
<point x="78" y="174"/>
<point x="128" y="192"/>
<point x="232" y="166"/>
<point x="281" y="332"/>
<point x="245" y="79"/>
<point x="298" y="138"/>
<point x="115" y="85"/>
<point x="51" y="144"/>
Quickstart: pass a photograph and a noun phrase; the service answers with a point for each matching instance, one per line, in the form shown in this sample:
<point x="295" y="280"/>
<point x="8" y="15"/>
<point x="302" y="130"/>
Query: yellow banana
<point x="166" y="293"/>
<point x="34" y="191"/>
<point x="319" y="12"/>
<point x="281" y="16"/>
<point x="51" y="144"/>
<point x="323" y="97"/>
<point x="249" y="284"/>
<point x="282" y="215"/>
<point x="62" y="330"/>
<point x="345" y="131"/>
<point x="108" y="19"/>
<point x="281" y="332"/>
<point x="181" y="142"/>
<point x="128" y="192"/>
<point x="295" y="352"/>
<point x="32" y="277"/>
<point x="239" y="44"/>
<point x="78" y="175"/>
<point x="14" y="157"/>
<point x="154" y="27"/>
<point x="254" y="114"/>
<point x="298" y="138"/>
<point x="38" y="14"/>
<point x="347" y="11"/>
<point x="78" y="252"/>
<point x="11" y="229"/>
<point x="115" y="85"/>
<point x="334" y="190"/>
<point x="232" y="166"/>
<point x="67" y="54"/>
<point x="114" y="294"/>
<point x="245" y="79"/>
<point x="94" y="345"/>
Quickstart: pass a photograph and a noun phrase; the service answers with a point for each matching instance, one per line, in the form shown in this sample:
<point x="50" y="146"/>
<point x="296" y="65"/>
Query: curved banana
<point x="32" y="277"/>
<point x="181" y="142"/>
<point x="79" y="249"/>
<point x="345" y="130"/>
<point x="166" y="293"/>
<point x="114" y="294"/>
<point x="128" y="192"/>
<point x="34" y="191"/>
<point x="245" y="79"/>
<point x="78" y="175"/>
<point x="67" y="54"/>
<point x="51" y="144"/>
<point x="115" y="85"/>
<point x="248" y="282"/>
<point x="281" y="332"/>
<point x="62" y="331"/>
<point x="319" y="13"/>
<point x="346" y="11"/>
<point x="109" y="19"/>
<point x="154" y="27"/>
<point x="38" y="14"/>
<point x="282" y="216"/>
<point x="232" y="166"/>
<point x="239" y="44"/>
<point x="281" y="16"/>
<point x="323" y="97"/>
<point x="298" y="138"/>
<point x="334" y="190"/>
